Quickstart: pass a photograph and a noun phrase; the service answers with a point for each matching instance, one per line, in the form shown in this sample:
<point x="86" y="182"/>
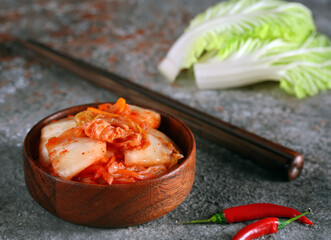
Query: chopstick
<point x="275" y="157"/>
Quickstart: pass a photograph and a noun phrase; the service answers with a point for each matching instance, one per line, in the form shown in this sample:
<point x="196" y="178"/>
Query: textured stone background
<point x="130" y="37"/>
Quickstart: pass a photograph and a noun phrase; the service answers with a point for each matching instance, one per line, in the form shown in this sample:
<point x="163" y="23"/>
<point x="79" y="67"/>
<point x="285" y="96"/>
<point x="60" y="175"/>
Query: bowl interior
<point x="174" y="128"/>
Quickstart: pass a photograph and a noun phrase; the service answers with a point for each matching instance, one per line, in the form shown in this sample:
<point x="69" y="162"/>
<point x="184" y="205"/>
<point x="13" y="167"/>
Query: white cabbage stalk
<point x="302" y="69"/>
<point x="266" y="19"/>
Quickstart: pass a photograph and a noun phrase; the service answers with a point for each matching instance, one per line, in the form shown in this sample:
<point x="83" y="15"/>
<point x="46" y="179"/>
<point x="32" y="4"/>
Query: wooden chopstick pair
<point x="286" y="162"/>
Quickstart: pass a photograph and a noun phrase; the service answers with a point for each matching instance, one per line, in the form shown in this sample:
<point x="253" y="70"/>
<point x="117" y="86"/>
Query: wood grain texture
<point x="273" y="156"/>
<point x="118" y="205"/>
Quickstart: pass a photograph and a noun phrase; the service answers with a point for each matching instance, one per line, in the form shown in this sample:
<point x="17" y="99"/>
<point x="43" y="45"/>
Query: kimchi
<point x="111" y="144"/>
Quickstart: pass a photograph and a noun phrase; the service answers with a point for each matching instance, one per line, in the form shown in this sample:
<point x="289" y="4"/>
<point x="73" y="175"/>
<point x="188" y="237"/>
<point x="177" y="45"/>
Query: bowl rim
<point x="28" y="155"/>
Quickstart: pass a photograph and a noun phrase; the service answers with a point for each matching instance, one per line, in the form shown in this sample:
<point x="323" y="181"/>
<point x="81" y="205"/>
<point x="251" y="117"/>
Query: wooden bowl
<point x="118" y="205"/>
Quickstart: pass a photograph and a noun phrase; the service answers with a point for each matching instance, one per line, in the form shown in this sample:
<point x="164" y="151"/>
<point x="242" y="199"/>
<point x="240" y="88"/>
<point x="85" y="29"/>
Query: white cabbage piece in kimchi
<point x="70" y="154"/>
<point x="149" y="118"/>
<point x="54" y="129"/>
<point x="162" y="150"/>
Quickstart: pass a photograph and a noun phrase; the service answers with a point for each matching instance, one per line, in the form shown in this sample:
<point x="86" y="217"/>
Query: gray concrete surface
<point x="129" y="37"/>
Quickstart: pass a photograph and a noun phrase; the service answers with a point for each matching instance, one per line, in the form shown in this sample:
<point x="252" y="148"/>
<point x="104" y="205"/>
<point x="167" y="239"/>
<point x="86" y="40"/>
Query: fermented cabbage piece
<point x="162" y="150"/>
<point x="149" y="118"/>
<point x="71" y="155"/>
<point x="53" y="129"/>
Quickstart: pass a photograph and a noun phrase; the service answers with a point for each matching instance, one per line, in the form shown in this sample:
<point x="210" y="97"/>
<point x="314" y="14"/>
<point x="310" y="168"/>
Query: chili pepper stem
<point x="282" y="224"/>
<point x="217" y="218"/>
<point x="197" y="221"/>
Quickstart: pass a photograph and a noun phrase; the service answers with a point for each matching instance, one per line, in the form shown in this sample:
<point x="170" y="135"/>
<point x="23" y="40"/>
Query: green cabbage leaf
<point x="303" y="69"/>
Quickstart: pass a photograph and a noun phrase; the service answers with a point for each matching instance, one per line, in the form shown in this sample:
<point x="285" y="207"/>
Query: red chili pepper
<point x="263" y="227"/>
<point x="252" y="212"/>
